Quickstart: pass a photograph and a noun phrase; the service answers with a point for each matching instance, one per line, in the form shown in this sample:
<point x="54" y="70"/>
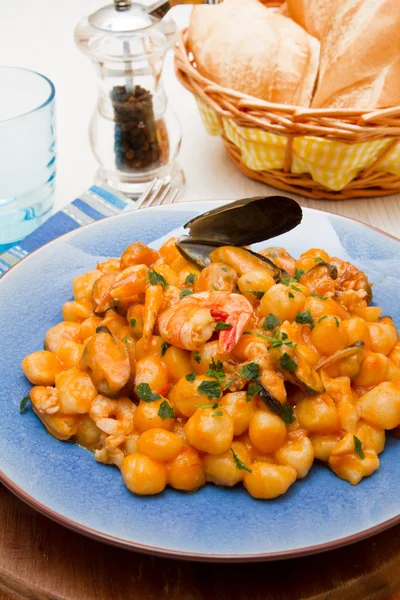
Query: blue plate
<point x="64" y="482"/>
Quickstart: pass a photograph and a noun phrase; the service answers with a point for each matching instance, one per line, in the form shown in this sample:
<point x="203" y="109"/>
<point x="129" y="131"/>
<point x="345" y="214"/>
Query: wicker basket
<point x="318" y="153"/>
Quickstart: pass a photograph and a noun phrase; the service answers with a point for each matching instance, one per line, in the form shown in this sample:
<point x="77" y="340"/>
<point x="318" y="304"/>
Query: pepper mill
<point x="134" y="133"/>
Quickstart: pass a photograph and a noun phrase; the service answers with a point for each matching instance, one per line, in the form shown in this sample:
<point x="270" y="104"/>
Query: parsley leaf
<point x="166" y="411"/>
<point x="196" y="357"/>
<point x="144" y="393"/>
<point x="125" y="339"/>
<point x="212" y="389"/>
<point x="132" y="323"/>
<point x="190" y="279"/>
<point x="156" y="278"/>
<point x="213" y="406"/>
<point x="164" y="347"/>
<point x="290" y="295"/>
<point x="287" y="414"/>
<point x="218" y="414"/>
<point x="336" y="321"/>
<point x="320" y="297"/>
<point x="295" y="288"/>
<point x="262" y="336"/>
<point x="257" y="293"/>
<point x="322" y="318"/>
<point x="271" y="254"/>
<point x="239" y="463"/>
<point x="214" y="287"/>
<point x="23" y="403"/>
<point x="224" y="269"/>
<point x="277" y="343"/>
<point x="221" y="326"/>
<point x="191" y="376"/>
<point x="318" y="259"/>
<point x="287" y="362"/>
<point x="229" y="383"/>
<point x="185" y="292"/>
<point x="250" y="371"/>
<point x="216" y="371"/>
<point x="287" y="280"/>
<point x="252" y="390"/>
<point x="271" y="321"/>
<point x="284" y="411"/>
<point x="304" y="318"/>
<point x="298" y="274"/>
<point x="358" y="447"/>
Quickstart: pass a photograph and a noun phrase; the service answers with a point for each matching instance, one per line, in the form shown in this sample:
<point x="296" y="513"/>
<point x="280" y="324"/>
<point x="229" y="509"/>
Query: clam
<point x="240" y="223"/>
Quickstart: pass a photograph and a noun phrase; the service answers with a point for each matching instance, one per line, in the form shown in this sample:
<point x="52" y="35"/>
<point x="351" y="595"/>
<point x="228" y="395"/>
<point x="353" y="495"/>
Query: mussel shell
<point x="246" y="221"/>
<point x="197" y="252"/>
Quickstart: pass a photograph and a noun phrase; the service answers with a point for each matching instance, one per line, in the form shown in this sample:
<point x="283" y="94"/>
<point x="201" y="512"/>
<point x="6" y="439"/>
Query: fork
<point x="157" y="193"/>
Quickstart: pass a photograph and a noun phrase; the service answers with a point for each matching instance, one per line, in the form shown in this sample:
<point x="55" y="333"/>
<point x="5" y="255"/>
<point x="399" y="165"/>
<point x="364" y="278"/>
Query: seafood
<point x="192" y="321"/>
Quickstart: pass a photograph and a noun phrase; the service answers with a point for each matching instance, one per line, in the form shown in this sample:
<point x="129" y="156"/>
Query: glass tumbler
<point x="27" y="152"/>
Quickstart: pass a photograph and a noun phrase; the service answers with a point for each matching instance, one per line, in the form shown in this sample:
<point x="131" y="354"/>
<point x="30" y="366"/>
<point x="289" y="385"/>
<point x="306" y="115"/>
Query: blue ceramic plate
<point x="64" y="482"/>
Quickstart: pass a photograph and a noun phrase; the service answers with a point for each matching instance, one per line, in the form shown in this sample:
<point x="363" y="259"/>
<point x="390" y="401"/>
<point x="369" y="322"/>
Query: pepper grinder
<point x="134" y="133"/>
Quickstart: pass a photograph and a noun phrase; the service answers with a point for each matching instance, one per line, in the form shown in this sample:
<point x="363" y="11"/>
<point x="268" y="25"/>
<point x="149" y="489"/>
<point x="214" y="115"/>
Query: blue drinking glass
<point x="27" y="152"/>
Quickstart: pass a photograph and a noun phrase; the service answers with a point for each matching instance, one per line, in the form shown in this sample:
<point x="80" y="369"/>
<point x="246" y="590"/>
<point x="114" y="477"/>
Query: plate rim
<point x="176" y="554"/>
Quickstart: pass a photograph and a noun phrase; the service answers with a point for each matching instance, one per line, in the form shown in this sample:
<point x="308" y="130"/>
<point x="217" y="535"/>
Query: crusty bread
<point x="242" y="45"/>
<point x="312" y="15"/>
<point x="360" y="64"/>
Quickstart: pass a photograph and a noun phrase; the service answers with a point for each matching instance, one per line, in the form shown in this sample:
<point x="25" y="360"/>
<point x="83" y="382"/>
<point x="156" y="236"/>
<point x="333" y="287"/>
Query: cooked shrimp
<point x="351" y="278"/>
<point x="110" y="452"/>
<point x="45" y="400"/>
<point x="152" y="304"/>
<point x="191" y="322"/>
<point x="103" y="409"/>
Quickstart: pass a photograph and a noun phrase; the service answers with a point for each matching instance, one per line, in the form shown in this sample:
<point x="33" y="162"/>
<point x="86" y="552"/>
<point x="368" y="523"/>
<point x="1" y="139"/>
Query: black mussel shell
<point x="246" y="221"/>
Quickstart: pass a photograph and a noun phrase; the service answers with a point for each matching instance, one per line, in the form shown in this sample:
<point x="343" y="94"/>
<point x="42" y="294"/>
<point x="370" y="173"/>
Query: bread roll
<point x="242" y="45"/>
<point x="312" y="15"/>
<point x="360" y="52"/>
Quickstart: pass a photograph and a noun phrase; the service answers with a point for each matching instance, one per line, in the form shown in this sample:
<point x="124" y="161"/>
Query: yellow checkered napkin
<point x="332" y="164"/>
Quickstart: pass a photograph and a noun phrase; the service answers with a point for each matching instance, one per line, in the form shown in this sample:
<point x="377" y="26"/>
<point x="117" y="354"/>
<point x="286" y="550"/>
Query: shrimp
<point x="103" y="409"/>
<point x="191" y="322"/>
<point x="45" y="400"/>
<point x="110" y="452"/>
<point x="152" y="304"/>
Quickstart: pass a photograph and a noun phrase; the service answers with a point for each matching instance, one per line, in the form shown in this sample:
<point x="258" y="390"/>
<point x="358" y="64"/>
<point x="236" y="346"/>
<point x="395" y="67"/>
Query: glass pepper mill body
<point x="134" y="133"/>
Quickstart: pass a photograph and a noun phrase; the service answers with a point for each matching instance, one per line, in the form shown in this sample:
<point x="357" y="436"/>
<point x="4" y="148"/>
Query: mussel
<point x="240" y="223"/>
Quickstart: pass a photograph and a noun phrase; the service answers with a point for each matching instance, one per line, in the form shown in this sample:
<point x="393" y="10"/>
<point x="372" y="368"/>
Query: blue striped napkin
<point x="94" y="204"/>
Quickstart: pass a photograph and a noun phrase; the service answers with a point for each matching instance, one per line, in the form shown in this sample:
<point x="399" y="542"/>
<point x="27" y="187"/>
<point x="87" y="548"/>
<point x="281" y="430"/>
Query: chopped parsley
<point x="216" y="371"/>
<point x="284" y="411"/>
<point x="252" y="390"/>
<point x="318" y="259"/>
<point x="190" y="279"/>
<point x="196" y="357"/>
<point x="224" y="269"/>
<point x="164" y="347"/>
<point x="320" y="297"/>
<point x="271" y="254"/>
<point x="125" y="339"/>
<point x="23" y="403"/>
<point x="322" y="318"/>
<point x="218" y="414"/>
<point x="144" y="392"/>
<point x="358" y="447"/>
<point x="250" y="371"/>
<point x="256" y="293"/>
<point x="229" y="383"/>
<point x="132" y="323"/>
<point x="262" y="336"/>
<point x="304" y="318"/>
<point x="191" y="376"/>
<point x="298" y="274"/>
<point x="271" y="321"/>
<point x="214" y="287"/>
<point x="166" y="411"/>
<point x="276" y="342"/>
<point x="185" y="292"/>
<point x="156" y="278"/>
<point x="287" y="362"/>
<point x="212" y="389"/>
<point x="295" y="288"/>
<point x="336" y="321"/>
<point x="239" y="464"/>
<point x="290" y="295"/>
<point x="213" y="406"/>
<point x="221" y="326"/>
